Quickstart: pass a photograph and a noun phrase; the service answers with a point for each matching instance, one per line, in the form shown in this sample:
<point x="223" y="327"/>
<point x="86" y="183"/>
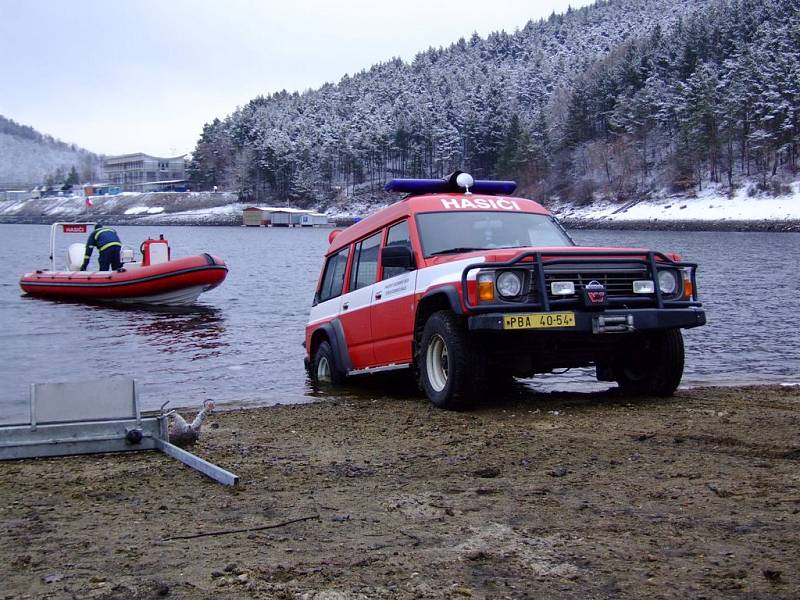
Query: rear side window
<point x="398" y="236"/>
<point x="365" y="262"/>
<point x="333" y="280"/>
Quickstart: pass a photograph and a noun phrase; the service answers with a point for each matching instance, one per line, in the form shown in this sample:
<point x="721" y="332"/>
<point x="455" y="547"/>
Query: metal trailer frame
<point x="95" y="417"/>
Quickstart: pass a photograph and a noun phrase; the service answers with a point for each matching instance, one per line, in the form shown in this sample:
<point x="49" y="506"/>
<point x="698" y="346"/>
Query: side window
<point x="398" y="236"/>
<point x="333" y="280"/>
<point x="365" y="263"/>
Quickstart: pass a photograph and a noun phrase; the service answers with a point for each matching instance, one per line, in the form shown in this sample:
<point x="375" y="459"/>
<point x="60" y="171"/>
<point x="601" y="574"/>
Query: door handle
<point x="345" y="306"/>
<point x="378" y="295"/>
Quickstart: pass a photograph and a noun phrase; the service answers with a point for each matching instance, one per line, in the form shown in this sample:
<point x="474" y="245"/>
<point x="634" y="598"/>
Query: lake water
<point x="242" y="343"/>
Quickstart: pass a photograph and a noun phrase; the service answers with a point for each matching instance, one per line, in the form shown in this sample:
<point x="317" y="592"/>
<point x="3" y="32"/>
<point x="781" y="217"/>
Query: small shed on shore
<point x="313" y="219"/>
<point x="261" y="216"/>
<point x="269" y="216"/>
<point x="255" y="216"/>
<point x="15" y="195"/>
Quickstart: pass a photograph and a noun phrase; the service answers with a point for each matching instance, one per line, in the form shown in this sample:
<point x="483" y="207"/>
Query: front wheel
<point x="656" y="367"/>
<point x="451" y="368"/>
<point x="323" y="367"/>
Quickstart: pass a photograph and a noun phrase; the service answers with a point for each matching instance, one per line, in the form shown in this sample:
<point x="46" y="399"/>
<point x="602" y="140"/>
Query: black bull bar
<point x="537" y="263"/>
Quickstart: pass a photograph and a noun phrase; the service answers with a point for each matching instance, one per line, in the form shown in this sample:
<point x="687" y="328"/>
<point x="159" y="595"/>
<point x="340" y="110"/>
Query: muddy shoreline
<point x="531" y="495"/>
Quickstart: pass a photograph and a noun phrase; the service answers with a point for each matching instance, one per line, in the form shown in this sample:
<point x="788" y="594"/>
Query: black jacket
<point x="103" y="238"/>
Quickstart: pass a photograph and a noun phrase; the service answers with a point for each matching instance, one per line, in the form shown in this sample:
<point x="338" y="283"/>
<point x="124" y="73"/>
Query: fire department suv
<point x="470" y="287"/>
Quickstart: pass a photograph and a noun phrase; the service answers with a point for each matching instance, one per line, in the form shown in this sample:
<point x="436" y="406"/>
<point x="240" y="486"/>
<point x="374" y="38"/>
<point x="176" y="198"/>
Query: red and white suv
<point x="471" y="287"/>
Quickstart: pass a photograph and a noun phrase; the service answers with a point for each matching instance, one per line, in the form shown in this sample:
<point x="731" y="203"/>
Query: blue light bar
<point x="418" y="186"/>
<point x="485" y="186"/>
<point x="439" y="186"/>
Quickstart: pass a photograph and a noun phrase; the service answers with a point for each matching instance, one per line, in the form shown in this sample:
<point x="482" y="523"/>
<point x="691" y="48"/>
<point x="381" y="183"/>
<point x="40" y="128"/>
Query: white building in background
<point x="142" y="172"/>
<point x="15" y="195"/>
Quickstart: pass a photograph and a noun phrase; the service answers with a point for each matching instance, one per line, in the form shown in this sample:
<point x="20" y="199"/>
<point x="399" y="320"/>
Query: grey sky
<point x="144" y="75"/>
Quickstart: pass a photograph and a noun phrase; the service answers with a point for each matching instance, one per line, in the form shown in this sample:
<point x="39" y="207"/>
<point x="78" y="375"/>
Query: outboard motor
<point x="155" y="252"/>
<point x="75" y="256"/>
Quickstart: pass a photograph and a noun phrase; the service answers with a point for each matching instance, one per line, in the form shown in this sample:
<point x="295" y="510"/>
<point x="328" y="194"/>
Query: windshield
<point x="452" y="232"/>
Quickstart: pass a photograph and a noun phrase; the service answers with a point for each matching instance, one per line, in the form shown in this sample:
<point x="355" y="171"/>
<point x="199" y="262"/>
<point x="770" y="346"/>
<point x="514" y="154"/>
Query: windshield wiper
<point x="454" y="251"/>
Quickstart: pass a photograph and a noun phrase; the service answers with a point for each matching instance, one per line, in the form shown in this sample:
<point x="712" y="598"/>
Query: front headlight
<point x="509" y="284"/>
<point x="667" y="282"/>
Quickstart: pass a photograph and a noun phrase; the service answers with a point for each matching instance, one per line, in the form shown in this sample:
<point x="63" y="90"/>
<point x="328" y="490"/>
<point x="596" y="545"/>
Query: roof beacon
<point x="465" y="180"/>
<point x="453" y="183"/>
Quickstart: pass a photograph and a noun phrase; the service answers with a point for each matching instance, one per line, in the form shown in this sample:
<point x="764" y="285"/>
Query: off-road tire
<point x="323" y="367"/>
<point x="656" y="368"/>
<point x="452" y="369"/>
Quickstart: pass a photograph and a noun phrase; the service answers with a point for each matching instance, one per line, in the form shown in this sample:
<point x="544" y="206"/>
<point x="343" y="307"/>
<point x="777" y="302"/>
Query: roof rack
<point x="454" y="183"/>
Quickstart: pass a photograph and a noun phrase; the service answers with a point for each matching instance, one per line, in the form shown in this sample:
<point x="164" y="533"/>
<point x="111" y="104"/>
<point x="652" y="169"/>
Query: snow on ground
<point x="128" y="204"/>
<point x="711" y="204"/>
<point x="227" y="209"/>
<point x="708" y="205"/>
<point x="140" y="210"/>
<point x="201" y="215"/>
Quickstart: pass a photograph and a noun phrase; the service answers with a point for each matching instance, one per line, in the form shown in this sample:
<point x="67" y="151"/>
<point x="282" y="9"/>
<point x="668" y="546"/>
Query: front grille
<point x="617" y="278"/>
<point x="615" y="270"/>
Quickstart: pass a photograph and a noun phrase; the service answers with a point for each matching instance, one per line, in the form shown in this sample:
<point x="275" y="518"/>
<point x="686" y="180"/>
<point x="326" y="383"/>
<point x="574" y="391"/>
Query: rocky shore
<point x="531" y="495"/>
<point x="235" y="220"/>
<point x="228" y="220"/>
<point x="224" y="209"/>
<point x="788" y="226"/>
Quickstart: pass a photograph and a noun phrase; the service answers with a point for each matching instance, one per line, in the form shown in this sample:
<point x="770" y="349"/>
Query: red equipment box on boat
<point x="155" y="251"/>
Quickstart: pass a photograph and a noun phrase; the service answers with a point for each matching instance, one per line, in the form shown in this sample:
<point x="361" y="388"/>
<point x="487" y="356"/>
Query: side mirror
<point x="399" y="256"/>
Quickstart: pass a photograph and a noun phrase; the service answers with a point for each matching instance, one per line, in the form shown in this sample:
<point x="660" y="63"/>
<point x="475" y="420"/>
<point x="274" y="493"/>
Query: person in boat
<point x="108" y="245"/>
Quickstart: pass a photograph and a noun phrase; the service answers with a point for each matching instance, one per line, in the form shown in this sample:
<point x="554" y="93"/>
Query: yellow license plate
<point x="539" y="320"/>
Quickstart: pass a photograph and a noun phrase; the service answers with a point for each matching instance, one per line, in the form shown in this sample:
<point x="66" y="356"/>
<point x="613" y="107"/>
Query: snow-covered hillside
<point x="710" y="205"/>
<point x="449" y="108"/>
<point x="29" y="157"/>
<point x="619" y="100"/>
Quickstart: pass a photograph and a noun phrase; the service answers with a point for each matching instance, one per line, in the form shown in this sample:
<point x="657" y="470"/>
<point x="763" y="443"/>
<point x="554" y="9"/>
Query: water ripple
<point x="242" y="344"/>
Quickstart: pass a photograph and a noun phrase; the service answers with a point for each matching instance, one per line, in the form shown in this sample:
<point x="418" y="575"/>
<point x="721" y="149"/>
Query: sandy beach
<point x="532" y="495"/>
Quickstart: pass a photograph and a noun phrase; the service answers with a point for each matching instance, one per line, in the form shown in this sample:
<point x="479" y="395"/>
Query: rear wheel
<point x="654" y="368"/>
<point x="451" y="368"/>
<point x="323" y="368"/>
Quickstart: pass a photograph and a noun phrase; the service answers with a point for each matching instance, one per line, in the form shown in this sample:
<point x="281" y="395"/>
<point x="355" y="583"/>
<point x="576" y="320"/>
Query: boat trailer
<point x="93" y="417"/>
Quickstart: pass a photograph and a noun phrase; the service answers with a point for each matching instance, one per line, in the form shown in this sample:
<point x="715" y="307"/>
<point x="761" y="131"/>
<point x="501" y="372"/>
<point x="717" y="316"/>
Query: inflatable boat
<point x="154" y="279"/>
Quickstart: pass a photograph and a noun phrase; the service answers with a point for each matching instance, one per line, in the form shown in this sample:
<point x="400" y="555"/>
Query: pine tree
<point x="72" y="177"/>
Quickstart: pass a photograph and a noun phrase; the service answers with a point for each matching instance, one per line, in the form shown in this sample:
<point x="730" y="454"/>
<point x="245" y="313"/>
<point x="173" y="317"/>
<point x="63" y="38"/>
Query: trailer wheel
<point x="656" y="367"/>
<point x="452" y="370"/>
<point x="323" y="368"/>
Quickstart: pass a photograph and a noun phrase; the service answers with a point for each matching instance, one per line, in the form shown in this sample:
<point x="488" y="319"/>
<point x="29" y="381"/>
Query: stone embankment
<point x="224" y="208"/>
<point x="789" y="226"/>
<point x="154" y="208"/>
